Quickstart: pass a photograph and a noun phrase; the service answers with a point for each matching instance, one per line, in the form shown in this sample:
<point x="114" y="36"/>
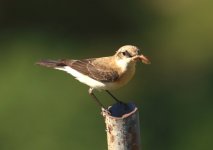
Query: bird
<point x="103" y="73"/>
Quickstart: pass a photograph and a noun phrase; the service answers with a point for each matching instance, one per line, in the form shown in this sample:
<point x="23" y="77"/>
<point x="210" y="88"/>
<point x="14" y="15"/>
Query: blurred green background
<point x="43" y="109"/>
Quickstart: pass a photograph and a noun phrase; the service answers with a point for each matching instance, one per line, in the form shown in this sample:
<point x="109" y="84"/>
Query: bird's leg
<point x="118" y="101"/>
<point x="95" y="98"/>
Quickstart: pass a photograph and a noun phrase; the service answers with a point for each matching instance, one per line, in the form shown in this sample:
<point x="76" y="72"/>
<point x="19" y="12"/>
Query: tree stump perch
<point x="122" y="127"/>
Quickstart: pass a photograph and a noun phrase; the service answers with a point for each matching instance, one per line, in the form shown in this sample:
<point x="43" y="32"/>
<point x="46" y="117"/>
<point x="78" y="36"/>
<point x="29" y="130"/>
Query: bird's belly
<point x="83" y="78"/>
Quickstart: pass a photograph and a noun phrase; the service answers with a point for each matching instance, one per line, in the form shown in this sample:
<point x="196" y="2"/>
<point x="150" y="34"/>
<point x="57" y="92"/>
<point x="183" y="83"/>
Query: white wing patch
<point x="83" y="78"/>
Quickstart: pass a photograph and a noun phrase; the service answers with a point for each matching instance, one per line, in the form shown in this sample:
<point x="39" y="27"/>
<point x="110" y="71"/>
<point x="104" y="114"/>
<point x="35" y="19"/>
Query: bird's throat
<point x="127" y="74"/>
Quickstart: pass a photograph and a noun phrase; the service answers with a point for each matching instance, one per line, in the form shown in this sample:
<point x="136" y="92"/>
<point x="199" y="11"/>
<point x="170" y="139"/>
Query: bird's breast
<point x="127" y="75"/>
<point x="124" y="78"/>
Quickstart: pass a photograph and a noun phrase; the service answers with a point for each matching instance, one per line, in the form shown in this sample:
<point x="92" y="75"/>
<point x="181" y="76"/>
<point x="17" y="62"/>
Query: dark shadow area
<point x="120" y="109"/>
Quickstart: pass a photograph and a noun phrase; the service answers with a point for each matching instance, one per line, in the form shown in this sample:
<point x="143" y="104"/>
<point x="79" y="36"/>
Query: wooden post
<point x="122" y="127"/>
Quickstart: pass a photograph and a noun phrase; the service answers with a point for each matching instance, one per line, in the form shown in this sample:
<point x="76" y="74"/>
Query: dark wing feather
<point x="51" y="63"/>
<point x="95" y="71"/>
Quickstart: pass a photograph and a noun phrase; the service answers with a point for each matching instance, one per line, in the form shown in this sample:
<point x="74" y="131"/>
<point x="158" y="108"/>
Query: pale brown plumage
<point x="104" y="73"/>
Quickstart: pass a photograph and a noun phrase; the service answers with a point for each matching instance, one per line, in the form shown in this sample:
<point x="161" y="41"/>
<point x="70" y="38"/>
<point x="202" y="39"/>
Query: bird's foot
<point x="105" y="111"/>
<point x="121" y="102"/>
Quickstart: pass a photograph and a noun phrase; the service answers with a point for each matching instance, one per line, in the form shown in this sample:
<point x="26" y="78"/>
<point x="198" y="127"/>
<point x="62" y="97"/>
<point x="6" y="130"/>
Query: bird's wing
<point x="87" y="67"/>
<point x="93" y="70"/>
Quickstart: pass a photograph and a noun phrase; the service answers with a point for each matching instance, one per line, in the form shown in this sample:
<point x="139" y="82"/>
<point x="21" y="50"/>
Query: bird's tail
<point x="52" y="63"/>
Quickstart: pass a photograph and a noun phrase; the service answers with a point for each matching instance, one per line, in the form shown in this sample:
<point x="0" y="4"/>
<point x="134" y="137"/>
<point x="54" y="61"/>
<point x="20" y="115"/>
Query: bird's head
<point x="130" y="53"/>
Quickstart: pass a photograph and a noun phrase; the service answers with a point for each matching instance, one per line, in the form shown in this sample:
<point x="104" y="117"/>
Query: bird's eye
<point x="126" y="53"/>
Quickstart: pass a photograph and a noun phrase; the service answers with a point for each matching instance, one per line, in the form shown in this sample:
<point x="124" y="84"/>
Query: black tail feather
<point x="51" y="63"/>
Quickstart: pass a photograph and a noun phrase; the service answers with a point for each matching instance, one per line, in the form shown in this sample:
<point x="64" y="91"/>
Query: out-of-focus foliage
<point x="43" y="109"/>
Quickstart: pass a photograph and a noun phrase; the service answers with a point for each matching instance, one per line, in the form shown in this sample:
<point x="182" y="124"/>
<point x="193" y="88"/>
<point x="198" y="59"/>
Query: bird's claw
<point x="105" y="111"/>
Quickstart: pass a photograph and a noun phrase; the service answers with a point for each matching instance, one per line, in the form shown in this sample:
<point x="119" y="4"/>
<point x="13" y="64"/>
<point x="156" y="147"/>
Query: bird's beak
<point x="142" y="58"/>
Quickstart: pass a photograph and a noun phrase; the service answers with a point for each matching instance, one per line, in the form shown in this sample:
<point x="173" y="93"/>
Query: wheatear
<point x="105" y="73"/>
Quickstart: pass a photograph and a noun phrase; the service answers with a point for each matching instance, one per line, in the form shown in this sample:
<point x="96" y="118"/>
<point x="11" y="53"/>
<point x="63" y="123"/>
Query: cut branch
<point x="122" y="126"/>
